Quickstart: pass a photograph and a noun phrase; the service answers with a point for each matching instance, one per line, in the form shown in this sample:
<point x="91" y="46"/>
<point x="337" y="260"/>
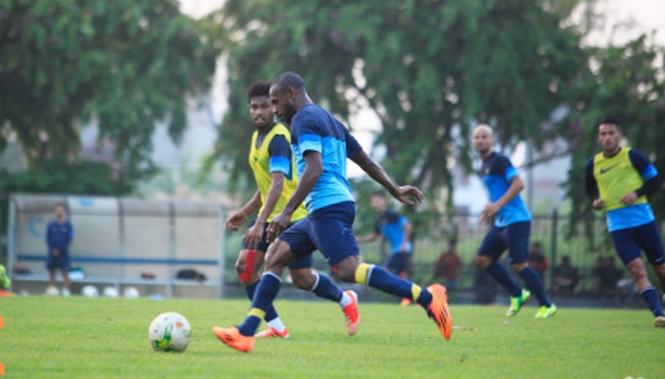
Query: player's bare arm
<point x="491" y="209"/>
<point x="310" y="175"/>
<point x="237" y="218"/>
<point x="368" y="238"/>
<point x="254" y="234"/>
<point x="376" y="172"/>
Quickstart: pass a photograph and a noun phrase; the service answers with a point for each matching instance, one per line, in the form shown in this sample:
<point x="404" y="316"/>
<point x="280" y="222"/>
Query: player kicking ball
<point x="321" y="146"/>
<point x="271" y="161"/>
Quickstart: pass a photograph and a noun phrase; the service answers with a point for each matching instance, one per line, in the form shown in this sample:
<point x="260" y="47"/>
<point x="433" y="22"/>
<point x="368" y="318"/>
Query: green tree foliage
<point x="429" y="70"/>
<point x="125" y="64"/>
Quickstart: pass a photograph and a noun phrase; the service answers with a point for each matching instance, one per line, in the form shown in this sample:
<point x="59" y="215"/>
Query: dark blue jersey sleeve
<point x="642" y="164"/>
<point x="280" y="154"/>
<point x="590" y="185"/>
<point x="352" y="145"/>
<point x="501" y="166"/>
<point x="647" y="171"/>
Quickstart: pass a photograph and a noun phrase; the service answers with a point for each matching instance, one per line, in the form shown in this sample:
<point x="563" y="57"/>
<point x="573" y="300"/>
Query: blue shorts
<point x="61" y="261"/>
<point x="629" y="243"/>
<point x="328" y="229"/>
<point x="514" y="237"/>
<point x="304" y="262"/>
<point x="398" y="262"/>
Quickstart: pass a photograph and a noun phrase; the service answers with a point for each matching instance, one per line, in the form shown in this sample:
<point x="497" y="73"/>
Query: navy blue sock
<point x="327" y="289"/>
<point x="265" y="294"/>
<point x="271" y="313"/>
<point x="381" y="279"/>
<point x="533" y="284"/>
<point x="501" y="275"/>
<point x="651" y="298"/>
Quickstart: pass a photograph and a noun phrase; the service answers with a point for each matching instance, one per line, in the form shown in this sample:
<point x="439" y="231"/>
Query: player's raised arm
<point x="376" y="172"/>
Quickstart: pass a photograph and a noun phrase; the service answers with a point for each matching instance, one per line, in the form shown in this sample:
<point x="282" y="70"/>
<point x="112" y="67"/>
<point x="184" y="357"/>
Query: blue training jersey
<point x="391" y="225"/>
<point x="497" y="173"/>
<point x="58" y="236"/>
<point x="315" y="129"/>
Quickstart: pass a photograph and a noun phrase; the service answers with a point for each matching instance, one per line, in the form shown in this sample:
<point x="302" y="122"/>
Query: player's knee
<point x="303" y="279"/>
<point x="637" y="269"/>
<point x="346" y="270"/>
<point x="278" y="256"/>
<point x="482" y="261"/>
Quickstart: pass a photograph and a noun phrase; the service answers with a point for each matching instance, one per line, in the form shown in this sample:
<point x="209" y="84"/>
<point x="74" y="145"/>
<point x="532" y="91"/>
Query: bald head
<point x="483" y="140"/>
<point x="288" y="79"/>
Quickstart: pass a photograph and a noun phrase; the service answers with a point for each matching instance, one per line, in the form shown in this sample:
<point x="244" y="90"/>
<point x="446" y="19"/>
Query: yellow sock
<point x="256" y="312"/>
<point x="362" y="272"/>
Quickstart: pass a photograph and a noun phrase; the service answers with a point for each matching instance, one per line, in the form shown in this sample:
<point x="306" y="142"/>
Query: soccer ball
<point x="170" y="331"/>
<point x="111" y="292"/>
<point x="90" y="291"/>
<point x="52" y="291"/>
<point x="131" y="293"/>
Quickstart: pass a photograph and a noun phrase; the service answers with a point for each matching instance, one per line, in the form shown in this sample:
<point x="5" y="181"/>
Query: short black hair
<point x="258" y="89"/>
<point x="289" y="79"/>
<point x="611" y="121"/>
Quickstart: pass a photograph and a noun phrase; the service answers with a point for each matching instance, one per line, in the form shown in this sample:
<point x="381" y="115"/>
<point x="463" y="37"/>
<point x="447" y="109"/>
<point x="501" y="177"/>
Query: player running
<point x="511" y="228"/>
<point x="272" y="163"/>
<point x="321" y="145"/>
<point x="619" y="180"/>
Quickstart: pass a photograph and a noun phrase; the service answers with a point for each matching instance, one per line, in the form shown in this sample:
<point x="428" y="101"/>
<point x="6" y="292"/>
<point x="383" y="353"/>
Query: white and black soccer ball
<point x="52" y="291"/>
<point x="131" y="293"/>
<point x="111" y="292"/>
<point x="89" y="291"/>
<point x="170" y="331"/>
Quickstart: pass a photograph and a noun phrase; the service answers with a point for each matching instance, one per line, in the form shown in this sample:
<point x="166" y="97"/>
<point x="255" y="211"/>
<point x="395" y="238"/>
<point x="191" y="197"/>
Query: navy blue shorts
<point x="304" y="262"/>
<point x="629" y="243"/>
<point x="328" y="229"/>
<point x="514" y="237"/>
<point x="61" y="261"/>
<point x="398" y="262"/>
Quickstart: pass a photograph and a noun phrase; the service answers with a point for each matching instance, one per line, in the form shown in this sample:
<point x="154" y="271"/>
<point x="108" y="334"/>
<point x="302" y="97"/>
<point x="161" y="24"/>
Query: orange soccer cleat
<point x="232" y="338"/>
<point x="351" y="314"/>
<point x="438" y="310"/>
<point x="270" y="332"/>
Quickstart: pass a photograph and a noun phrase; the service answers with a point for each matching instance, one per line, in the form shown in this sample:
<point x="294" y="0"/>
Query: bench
<point x="118" y="281"/>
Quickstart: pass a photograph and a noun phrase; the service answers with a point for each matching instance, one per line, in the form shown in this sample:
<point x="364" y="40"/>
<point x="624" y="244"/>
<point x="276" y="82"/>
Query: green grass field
<point x="46" y="337"/>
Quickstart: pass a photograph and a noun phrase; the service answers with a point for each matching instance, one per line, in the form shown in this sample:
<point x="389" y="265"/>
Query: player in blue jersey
<point x="397" y="229"/>
<point x="511" y="228"/>
<point x="59" y="235"/>
<point x="321" y="145"/>
<point x="618" y="180"/>
<point x="272" y="163"/>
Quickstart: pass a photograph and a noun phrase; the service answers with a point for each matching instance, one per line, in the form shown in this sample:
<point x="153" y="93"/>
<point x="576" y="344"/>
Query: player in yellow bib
<point x="618" y="180"/>
<point x="271" y="160"/>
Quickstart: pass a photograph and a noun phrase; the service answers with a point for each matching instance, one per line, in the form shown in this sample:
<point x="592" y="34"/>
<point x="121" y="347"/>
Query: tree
<point x="123" y="63"/>
<point x="430" y="71"/>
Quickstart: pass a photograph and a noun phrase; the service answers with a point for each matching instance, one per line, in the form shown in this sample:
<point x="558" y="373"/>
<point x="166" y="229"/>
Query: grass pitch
<point x="47" y="337"/>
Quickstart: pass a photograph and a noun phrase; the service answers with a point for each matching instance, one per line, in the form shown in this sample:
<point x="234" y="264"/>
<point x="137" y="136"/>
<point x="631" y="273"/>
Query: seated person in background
<point x="537" y="260"/>
<point x="449" y="266"/>
<point x="606" y="275"/>
<point x="566" y="276"/>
